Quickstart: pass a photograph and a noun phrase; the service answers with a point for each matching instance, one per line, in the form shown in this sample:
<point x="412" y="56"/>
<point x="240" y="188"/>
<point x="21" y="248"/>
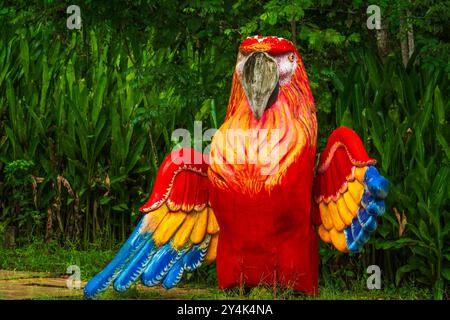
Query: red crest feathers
<point x="271" y="44"/>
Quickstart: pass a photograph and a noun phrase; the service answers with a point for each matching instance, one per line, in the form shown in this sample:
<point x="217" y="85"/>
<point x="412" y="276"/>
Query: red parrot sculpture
<point x="253" y="204"/>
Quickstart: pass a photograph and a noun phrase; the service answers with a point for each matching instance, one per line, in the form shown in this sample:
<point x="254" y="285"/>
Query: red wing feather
<point x="176" y="185"/>
<point x="344" y="151"/>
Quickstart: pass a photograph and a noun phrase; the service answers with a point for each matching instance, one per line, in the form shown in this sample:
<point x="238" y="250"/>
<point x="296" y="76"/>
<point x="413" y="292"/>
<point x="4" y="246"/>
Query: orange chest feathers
<point x="249" y="155"/>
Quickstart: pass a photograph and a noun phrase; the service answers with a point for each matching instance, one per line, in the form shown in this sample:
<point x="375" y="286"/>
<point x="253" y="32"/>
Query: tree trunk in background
<point x="406" y="38"/>
<point x="404" y="44"/>
<point x="294" y="31"/>
<point x="49" y="225"/>
<point x="410" y="35"/>
<point x="9" y="240"/>
<point x="383" y="40"/>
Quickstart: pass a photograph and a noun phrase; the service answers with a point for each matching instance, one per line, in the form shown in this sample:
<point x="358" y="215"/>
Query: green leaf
<point x="403" y="270"/>
<point x="105" y="200"/>
<point x="347" y="119"/>
<point x="98" y="99"/>
<point x="423" y="229"/>
<point x="444" y="145"/>
<point x="446" y="273"/>
<point x="25" y="57"/>
<point x="120" y="207"/>
<point x="439" y="106"/>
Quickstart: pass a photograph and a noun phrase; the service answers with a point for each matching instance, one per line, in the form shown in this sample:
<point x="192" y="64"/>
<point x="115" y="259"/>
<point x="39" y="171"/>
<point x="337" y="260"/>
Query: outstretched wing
<point x="348" y="192"/>
<point x="178" y="232"/>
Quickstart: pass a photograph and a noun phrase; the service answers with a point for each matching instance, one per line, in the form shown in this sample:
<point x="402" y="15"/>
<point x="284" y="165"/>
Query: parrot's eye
<point x="291" y="57"/>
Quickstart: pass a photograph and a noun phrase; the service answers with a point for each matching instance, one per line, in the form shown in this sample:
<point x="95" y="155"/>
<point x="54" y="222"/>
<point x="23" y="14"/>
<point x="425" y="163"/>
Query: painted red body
<point x="269" y="234"/>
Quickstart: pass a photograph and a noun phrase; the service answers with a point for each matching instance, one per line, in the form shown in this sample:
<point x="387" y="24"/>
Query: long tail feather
<point x="173" y="277"/>
<point x="103" y="279"/>
<point x="195" y="256"/>
<point x="352" y="246"/>
<point x="376" y="183"/>
<point x="135" y="267"/>
<point x="188" y="262"/>
<point x="161" y="263"/>
<point x="368" y="222"/>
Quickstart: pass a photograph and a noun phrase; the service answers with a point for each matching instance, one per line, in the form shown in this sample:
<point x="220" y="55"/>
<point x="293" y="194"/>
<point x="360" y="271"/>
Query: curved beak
<point x="260" y="81"/>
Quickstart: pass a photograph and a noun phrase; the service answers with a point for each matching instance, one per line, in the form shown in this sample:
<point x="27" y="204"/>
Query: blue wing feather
<point x="372" y="205"/>
<point x="103" y="279"/>
<point x="367" y="221"/>
<point x="160" y="265"/>
<point x="135" y="267"/>
<point x="173" y="277"/>
<point x="194" y="258"/>
<point x="377" y="184"/>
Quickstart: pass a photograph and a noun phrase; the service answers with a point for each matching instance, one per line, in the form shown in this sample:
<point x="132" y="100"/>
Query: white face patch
<point x="286" y="67"/>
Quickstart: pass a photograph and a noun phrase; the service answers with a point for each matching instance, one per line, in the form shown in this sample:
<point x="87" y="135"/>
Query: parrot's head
<point x="265" y="64"/>
<point x="270" y="120"/>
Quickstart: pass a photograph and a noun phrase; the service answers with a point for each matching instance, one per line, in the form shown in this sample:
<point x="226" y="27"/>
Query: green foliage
<point x="23" y="211"/>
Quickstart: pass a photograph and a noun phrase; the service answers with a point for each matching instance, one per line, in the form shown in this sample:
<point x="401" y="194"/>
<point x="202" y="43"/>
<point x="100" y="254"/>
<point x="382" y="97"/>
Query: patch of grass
<point x="265" y="293"/>
<point x="41" y="257"/>
<point x="258" y="293"/>
<point x="200" y="284"/>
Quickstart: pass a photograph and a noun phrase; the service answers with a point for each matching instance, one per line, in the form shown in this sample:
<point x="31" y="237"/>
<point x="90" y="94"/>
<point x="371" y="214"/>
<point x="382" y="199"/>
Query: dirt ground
<point x="33" y="285"/>
<point x="18" y="285"/>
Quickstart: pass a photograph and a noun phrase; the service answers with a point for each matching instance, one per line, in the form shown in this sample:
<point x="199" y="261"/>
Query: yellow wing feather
<point x="325" y="216"/>
<point x="212" y="250"/>
<point x="168" y="226"/>
<point x="185" y="228"/>
<point x="356" y="190"/>
<point x="154" y="218"/>
<point x="359" y="173"/>
<point x="350" y="203"/>
<point x="339" y="225"/>
<point x="341" y="209"/>
<point x="183" y="234"/>
<point x="338" y="240"/>
<point x="199" y="231"/>
<point x="324" y="234"/>
<point x="213" y="225"/>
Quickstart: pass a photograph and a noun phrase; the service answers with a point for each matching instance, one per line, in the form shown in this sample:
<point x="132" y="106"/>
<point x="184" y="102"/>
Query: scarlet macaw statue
<point x="257" y="186"/>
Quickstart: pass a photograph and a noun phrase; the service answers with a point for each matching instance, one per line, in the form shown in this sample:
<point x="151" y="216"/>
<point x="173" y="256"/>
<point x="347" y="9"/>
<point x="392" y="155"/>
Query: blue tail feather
<point x="135" y="267"/>
<point x="359" y="234"/>
<point x="377" y="185"/>
<point x="352" y="245"/>
<point x="103" y="279"/>
<point x="194" y="258"/>
<point x="376" y="207"/>
<point x="161" y="263"/>
<point x="367" y="221"/>
<point x="173" y="277"/>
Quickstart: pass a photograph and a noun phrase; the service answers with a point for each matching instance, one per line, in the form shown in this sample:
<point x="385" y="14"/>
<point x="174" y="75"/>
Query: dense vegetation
<point x="86" y="115"/>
